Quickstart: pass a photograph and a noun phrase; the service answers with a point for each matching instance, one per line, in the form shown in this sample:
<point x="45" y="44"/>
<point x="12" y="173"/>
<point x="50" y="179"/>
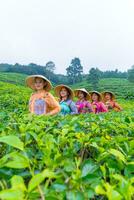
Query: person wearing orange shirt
<point x="41" y="102"/>
<point x="110" y="102"/>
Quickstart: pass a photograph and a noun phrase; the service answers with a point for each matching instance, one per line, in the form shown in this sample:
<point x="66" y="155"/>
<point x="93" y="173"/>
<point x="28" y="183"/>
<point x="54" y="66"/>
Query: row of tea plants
<point x="77" y="157"/>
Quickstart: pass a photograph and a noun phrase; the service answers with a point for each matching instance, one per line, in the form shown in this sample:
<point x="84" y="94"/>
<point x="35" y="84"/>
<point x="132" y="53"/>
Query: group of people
<point x="42" y="102"/>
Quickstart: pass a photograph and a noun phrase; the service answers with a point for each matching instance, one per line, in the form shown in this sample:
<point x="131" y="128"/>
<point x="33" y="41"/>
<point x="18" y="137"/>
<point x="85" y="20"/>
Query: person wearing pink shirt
<point x="96" y="102"/>
<point x="83" y="104"/>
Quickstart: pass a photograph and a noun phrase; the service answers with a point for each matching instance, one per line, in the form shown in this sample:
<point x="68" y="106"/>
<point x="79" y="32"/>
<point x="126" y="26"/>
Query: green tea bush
<point x="77" y="157"/>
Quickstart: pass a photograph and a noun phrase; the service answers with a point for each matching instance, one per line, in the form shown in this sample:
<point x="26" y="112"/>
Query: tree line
<point x="74" y="72"/>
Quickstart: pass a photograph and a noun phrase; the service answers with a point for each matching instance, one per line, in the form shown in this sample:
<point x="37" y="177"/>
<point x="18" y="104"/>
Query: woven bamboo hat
<point x="58" y="88"/>
<point x="30" y="82"/>
<point x="96" y="92"/>
<point x="109" y="92"/>
<point x="88" y="97"/>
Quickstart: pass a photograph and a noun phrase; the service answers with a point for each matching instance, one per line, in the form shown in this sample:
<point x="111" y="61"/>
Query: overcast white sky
<point x="99" y="32"/>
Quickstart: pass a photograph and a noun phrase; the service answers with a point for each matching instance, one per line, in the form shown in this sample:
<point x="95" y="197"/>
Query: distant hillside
<point x="121" y="87"/>
<point x="14" y="78"/>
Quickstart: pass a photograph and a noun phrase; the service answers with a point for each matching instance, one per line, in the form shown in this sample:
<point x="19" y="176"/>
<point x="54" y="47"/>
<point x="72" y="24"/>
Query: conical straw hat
<point x="59" y="87"/>
<point x="30" y="82"/>
<point x="88" y="97"/>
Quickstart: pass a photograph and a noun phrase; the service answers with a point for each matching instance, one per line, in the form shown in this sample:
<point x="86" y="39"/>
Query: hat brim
<point x="88" y="97"/>
<point x="58" y="88"/>
<point x="109" y="92"/>
<point x="30" y="82"/>
<point x="96" y="92"/>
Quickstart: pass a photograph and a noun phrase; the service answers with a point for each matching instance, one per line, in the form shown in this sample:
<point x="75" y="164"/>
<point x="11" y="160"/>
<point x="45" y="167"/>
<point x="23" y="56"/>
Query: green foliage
<point x="94" y="77"/>
<point x="121" y="87"/>
<point x="30" y="69"/>
<point x="14" y="78"/>
<point x="131" y="74"/>
<point x="74" y="71"/>
<point x="113" y="74"/>
<point x="74" y="157"/>
<point x="50" y="66"/>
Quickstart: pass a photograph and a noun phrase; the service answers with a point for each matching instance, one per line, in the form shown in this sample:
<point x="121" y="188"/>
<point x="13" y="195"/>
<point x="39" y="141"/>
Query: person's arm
<point x="103" y="107"/>
<point x="95" y="107"/>
<point x="88" y="105"/>
<point x="77" y="104"/>
<point x="31" y="104"/>
<point x="116" y="105"/>
<point x="73" y="108"/>
<point x="52" y="104"/>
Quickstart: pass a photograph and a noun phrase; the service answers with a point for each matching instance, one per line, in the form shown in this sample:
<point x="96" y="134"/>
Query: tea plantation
<point x="57" y="158"/>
